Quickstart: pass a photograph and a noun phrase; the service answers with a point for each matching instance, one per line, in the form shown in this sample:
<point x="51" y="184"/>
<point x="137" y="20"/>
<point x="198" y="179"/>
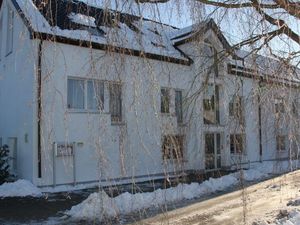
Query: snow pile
<point x="100" y="205"/>
<point x="293" y="218"/>
<point x="20" y="188"/>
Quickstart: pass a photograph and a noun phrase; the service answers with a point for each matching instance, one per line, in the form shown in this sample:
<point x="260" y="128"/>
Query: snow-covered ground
<point x="20" y="188"/>
<point x="99" y="205"/>
<point x="293" y="218"/>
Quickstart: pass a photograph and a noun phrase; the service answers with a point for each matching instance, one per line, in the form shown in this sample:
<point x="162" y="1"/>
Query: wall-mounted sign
<point x="64" y="149"/>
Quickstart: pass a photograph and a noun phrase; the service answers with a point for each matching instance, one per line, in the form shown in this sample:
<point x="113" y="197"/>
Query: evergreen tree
<point x="4" y="166"/>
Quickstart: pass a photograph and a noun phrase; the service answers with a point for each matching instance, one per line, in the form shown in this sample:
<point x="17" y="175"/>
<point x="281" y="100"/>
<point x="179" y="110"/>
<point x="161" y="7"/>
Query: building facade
<point x="94" y="95"/>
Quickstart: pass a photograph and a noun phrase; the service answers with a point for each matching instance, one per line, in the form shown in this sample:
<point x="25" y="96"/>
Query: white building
<point x="89" y="94"/>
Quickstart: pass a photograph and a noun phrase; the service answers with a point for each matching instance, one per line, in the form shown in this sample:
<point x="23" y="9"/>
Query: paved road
<point x="257" y="201"/>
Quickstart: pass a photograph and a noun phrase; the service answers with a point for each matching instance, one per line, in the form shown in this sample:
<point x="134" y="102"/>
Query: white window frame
<point x="179" y="120"/>
<point x="85" y="93"/>
<point x="243" y="136"/>
<point x="284" y="143"/>
<point x="168" y="91"/>
<point x="10" y="31"/>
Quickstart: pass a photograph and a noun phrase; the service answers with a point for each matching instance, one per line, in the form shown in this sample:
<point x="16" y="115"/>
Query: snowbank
<point x="100" y="205"/>
<point x="20" y="188"/>
<point x="293" y="218"/>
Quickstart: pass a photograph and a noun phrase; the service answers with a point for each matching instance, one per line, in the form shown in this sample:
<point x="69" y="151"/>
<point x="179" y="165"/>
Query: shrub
<point x="4" y="165"/>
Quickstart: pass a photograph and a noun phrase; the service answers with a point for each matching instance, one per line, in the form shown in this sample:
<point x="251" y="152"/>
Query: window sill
<point x="174" y="161"/>
<point x="86" y="111"/>
<point x="121" y="123"/>
<point x="167" y="115"/>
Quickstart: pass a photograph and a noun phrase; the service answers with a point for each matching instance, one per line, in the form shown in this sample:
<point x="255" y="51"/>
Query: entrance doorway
<point x="212" y="151"/>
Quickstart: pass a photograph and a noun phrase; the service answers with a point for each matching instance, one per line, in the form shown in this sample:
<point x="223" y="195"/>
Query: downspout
<point x="259" y="123"/>
<point x="39" y="108"/>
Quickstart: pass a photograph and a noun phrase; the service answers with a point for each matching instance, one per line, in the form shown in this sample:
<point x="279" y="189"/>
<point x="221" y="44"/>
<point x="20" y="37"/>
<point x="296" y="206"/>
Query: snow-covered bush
<point x="4" y="165"/>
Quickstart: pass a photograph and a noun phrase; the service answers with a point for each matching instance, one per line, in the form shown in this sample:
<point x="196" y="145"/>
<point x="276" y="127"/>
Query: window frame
<point x="179" y="111"/>
<point x="236" y="143"/>
<point x="165" y="109"/>
<point x="168" y="154"/>
<point x="10" y="31"/>
<point x="118" y="118"/>
<point x="85" y="108"/>
<point x="281" y="142"/>
<point x="212" y="107"/>
<point x="236" y="108"/>
<point x="279" y="106"/>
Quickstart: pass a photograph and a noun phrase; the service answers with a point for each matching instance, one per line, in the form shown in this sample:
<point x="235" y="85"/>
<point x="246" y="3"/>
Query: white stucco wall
<point x="17" y="92"/>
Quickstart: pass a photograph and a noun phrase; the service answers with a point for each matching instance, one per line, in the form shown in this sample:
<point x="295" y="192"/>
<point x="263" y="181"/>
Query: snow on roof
<point x="76" y="20"/>
<point x="267" y="66"/>
<point x="82" y="19"/>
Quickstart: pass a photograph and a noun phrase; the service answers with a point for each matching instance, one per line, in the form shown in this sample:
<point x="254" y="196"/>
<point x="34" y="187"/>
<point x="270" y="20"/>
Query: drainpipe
<point x="259" y="123"/>
<point x="39" y="108"/>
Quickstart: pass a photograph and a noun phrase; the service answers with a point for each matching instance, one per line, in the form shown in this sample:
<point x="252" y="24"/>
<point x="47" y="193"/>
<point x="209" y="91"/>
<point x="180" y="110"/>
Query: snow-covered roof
<point x="267" y="68"/>
<point x="83" y="21"/>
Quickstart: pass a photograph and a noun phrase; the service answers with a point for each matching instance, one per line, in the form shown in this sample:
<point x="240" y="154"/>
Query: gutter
<point x="39" y="108"/>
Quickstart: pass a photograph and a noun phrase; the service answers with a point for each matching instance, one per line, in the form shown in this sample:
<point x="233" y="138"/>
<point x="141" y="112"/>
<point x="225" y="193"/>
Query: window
<point x="178" y="106"/>
<point x="172" y="147"/>
<point x="115" y="104"/>
<point x="211" y="104"/>
<point x="165" y="100"/>
<point x="236" y="108"/>
<point x="95" y="95"/>
<point x="85" y="94"/>
<point x="216" y="62"/>
<point x="294" y="107"/>
<point x="236" y="143"/>
<point x="280" y="142"/>
<point x="76" y="90"/>
<point x="9" y="34"/>
<point x="279" y="105"/>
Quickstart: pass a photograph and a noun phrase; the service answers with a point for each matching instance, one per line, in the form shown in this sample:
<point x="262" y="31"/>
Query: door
<point x="13" y="149"/>
<point x="212" y="151"/>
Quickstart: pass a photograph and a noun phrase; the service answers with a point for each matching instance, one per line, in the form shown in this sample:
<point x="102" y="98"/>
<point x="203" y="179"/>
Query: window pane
<point x="10" y="23"/>
<point x="115" y="104"/>
<point x="95" y="95"/>
<point x="280" y="141"/>
<point x="232" y="148"/>
<point x="239" y="143"/>
<point x="75" y="94"/>
<point x="172" y="147"/>
<point x="209" y="144"/>
<point x="209" y="105"/>
<point x="165" y="100"/>
<point x="178" y="106"/>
